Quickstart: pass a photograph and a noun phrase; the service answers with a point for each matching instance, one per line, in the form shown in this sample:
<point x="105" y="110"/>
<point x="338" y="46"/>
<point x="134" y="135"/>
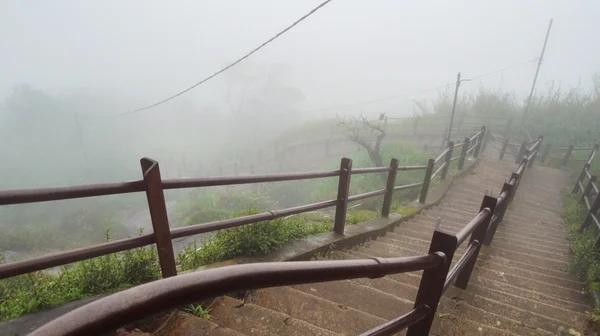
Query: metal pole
<point x="454" y="106"/>
<point x="537" y="71"/>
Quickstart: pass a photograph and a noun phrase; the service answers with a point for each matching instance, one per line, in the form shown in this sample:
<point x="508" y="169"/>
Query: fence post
<point x="342" y="196"/>
<point x="447" y="160"/>
<point x="545" y="153"/>
<point x="427" y="181"/>
<point x="416" y="125"/>
<point x="567" y="155"/>
<point x="580" y="178"/>
<point x="588" y="188"/>
<point x="486" y="138"/>
<point x="463" y="153"/>
<point x="431" y="287"/>
<point x="479" y="142"/>
<point x="462" y="280"/>
<point x="593" y="210"/>
<point x="521" y="152"/>
<point x="517" y="179"/>
<point x="391" y="183"/>
<point x="158" y="216"/>
<point x="503" y="150"/>
<point x="507" y="128"/>
<point x="491" y="232"/>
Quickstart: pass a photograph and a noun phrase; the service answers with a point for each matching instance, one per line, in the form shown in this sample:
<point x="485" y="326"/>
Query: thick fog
<point x="69" y="70"/>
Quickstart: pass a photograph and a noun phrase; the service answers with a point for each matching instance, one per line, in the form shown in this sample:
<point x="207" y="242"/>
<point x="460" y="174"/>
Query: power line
<point x="408" y="94"/>
<point x="232" y="64"/>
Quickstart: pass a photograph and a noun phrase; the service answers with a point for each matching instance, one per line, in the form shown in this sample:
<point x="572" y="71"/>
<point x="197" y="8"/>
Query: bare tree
<point x="366" y="133"/>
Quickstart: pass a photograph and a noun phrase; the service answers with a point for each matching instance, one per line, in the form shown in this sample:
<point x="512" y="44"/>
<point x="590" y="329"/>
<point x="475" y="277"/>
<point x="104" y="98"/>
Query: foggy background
<point x="68" y="68"/>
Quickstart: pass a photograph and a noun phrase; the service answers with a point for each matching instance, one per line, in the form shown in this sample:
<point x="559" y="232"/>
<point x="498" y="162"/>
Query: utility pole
<point x="537" y="71"/>
<point x="458" y="81"/>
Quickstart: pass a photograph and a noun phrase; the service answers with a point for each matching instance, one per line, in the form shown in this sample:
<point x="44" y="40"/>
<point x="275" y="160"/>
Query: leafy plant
<point x="198" y="311"/>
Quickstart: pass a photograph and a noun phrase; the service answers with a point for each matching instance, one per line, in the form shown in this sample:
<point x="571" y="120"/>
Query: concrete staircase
<point x="520" y="285"/>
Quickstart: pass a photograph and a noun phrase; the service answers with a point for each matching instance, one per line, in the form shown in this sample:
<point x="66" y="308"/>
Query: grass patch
<point x="42" y="290"/>
<point x="359" y="216"/>
<point x="250" y="240"/>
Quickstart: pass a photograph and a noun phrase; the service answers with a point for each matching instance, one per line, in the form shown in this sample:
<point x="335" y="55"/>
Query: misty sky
<point x="347" y="52"/>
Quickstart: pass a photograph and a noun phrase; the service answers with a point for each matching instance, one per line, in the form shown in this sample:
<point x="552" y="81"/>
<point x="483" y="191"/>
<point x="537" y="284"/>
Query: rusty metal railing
<point x="590" y="195"/>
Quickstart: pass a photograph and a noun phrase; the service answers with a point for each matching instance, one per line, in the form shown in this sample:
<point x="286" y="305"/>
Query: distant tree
<point x="367" y="133"/>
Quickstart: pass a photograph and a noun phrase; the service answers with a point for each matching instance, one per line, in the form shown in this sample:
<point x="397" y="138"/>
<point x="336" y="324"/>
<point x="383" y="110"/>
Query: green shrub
<point x="359" y="216"/>
<point x="249" y="240"/>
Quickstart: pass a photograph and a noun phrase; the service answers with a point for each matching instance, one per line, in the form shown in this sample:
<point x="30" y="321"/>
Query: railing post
<point x="580" y="178"/>
<point x="537" y="150"/>
<point x="479" y="142"/>
<point x="588" y="188"/>
<point x="427" y="181"/>
<point x="567" y="155"/>
<point x="593" y="210"/>
<point x="158" y="216"/>
<point x="507" y="128"/>
<point x="463" y="153"/>
<point x="391" y="183"/>
<point x="448" y="160"/>
<point x="431" y="287"/>
<point x="517" y="179"/>
<point x="503" y="150"/>
<point x="491" y="232"/>
<point x="545" y="153"/>
<point x="486" y="138"/>
<point x="342" y="196"/>
<point x="462" y="280"/>
<point x="521" y="152"/>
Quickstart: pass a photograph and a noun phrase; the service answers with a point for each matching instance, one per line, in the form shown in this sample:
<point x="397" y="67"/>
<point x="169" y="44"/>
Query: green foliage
<point x="249" y="240"/>
<point x="206" y="207"/>
<point x="42" y="290"/>
<point x="585" y="261"/>
<point x="198" y="311"/>
<point x="359" y="216"/>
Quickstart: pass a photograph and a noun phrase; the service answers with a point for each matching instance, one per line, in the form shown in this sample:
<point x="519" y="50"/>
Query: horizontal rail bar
<point x="407" y="168"/>
<point x="233" y="180"/>
<point x="408" y="186"/>
<point x="587" y="173"/>
<point x="472" y="225"/>
<point x="21" y="196"/>
<point x="400" y="323"/>
<point x="521" y="168"/>
<point x="595" y="187"/>
<point x="438" y="171"/>
<point x="587" y="202"/>
<point x="460" y="264"/>
<point x="581" y="187"/>
<point x="249" y="219"/>
<point x="472" y="148"/>
<point x="459" y="144"/>
<point x="442" y="155"/>
<point x="474" y="136"/>
<point x="596" y="222"/>
<point x="366" y="195"/>
<point x="132" y="304"/>
<point x="67" y="257"/>
<point x="455" y="158"/>
<point x="356" y="171"/>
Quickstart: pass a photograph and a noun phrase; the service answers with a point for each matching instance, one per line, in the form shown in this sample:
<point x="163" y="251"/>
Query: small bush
<point x="249" y="240"/>
<point x="359" y="216"/>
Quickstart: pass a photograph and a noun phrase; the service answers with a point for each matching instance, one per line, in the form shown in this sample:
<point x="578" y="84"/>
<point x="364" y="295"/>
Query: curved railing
<point x="115" y="310"/>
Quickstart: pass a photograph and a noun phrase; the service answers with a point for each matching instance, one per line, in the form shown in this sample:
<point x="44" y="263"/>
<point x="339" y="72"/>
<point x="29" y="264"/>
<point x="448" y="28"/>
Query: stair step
<point x="251" y="319"/>
<point x="457" y="306"/>
<point x="451" y="325"/>
<point x="183" y="324"/>
<point x="312" y="309"/>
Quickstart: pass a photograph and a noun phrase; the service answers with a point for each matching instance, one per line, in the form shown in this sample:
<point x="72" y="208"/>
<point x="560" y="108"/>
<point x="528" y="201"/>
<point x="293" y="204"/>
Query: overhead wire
<point x="305" y="16"/>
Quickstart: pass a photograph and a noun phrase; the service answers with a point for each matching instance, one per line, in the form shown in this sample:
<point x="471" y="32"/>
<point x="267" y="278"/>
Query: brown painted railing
<point x="117" y="309"/>
<point x="590" y="195"/>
